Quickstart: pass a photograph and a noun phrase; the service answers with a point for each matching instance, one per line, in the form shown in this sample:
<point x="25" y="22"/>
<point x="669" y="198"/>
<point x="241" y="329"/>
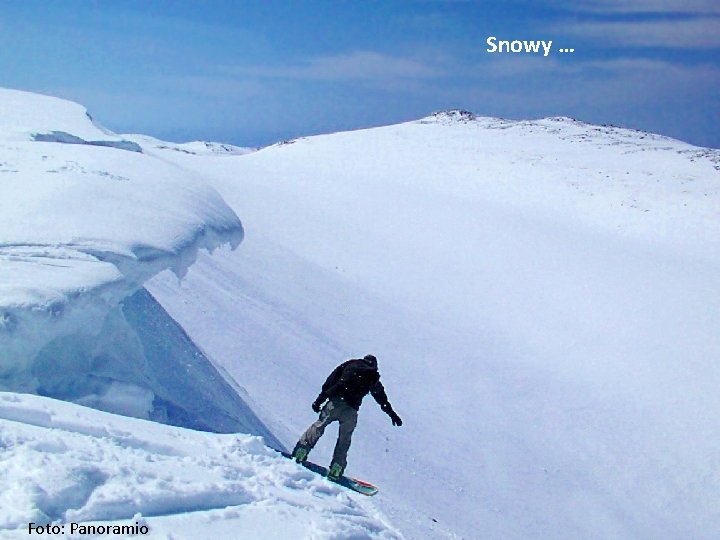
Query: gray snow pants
<point x="343" y="413"/>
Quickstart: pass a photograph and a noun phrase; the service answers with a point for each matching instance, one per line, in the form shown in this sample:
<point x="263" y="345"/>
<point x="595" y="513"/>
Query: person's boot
<point x="300" y="453"/>
<point x="335" y="472"/>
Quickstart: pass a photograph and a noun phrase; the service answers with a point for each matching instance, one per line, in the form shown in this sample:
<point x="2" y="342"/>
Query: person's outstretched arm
<point x="378" y="392"/>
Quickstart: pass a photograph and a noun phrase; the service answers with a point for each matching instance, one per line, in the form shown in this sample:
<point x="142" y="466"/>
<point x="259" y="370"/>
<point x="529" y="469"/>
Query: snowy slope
<point x="542" y="297"/>
<point x="65" y="464"/>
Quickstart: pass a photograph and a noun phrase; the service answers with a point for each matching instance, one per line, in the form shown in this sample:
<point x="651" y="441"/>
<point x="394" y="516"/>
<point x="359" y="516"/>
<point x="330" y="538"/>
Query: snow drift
<point x="83" y="226"/>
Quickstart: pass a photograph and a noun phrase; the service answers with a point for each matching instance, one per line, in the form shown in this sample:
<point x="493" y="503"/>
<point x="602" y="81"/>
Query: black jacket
<point x="351" y="381"/>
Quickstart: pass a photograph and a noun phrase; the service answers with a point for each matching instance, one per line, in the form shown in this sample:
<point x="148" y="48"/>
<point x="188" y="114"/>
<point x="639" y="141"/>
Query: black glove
<point x="387" y="408"/>
<point x="317" y="404"/>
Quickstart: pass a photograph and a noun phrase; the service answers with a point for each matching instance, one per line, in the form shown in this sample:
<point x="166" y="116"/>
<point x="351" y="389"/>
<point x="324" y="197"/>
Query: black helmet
<point x="370" y="359"/>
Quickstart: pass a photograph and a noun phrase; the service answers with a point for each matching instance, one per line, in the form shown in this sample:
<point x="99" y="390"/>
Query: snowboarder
<point x="345" y="388"/>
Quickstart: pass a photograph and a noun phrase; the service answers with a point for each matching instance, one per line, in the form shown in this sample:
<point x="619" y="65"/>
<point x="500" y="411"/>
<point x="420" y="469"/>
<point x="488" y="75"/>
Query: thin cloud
<point x="616" y="82"/>
<point x="695" y="33"/>
<point x="623" y="82"/>
<point x="649" y="6"/>
<point x="354" y="66"/>
<point x="511" y="66"/>
<point x="216" y="87"/>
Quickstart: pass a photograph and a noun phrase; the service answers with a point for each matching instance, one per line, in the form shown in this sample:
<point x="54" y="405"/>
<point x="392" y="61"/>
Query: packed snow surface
<point x="65" y="464"/>
<point x="542" y="298"/>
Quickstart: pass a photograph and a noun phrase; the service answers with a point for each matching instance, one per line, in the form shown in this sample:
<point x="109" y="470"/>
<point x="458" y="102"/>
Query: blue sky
<point x="252" y="73"/>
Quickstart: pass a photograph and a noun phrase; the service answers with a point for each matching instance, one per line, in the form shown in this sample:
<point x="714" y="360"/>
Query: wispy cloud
<point x="591" y="84"/>
<point x="353" y="66"/>
<point x="629" y="82"/>
<point x="693" y="33"/>
<point x="649" y="6"/>
<point x="214" y="86"/>
<point x="647" y="80"/>
<point x="503" y="67"/>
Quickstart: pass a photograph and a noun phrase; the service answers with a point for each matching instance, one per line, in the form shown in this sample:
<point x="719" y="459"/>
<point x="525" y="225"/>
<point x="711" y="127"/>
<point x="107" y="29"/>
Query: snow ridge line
<point x="67" y="138"/>
<point x="136" y="265"/>
<point x="575" y="130"/>
<point x="31" y="318"/>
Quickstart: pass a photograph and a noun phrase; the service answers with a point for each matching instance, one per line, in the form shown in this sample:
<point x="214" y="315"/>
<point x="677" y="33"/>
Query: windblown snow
<point x="541" y="295"/>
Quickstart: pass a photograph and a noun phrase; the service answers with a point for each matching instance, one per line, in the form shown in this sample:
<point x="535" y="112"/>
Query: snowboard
<point x="360" y="486"/>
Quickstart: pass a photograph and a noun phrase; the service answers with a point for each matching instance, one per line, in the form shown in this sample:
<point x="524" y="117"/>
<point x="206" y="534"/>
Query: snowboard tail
<point x="360" y="486"/>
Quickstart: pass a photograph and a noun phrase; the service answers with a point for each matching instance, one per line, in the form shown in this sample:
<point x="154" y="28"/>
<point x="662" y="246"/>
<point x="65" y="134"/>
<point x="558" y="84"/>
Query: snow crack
<point x="67" y="138"/>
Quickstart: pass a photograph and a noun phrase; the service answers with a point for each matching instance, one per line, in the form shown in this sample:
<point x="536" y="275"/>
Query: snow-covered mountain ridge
<point x="193" y="148"/>
<point x="566" y="128"/>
